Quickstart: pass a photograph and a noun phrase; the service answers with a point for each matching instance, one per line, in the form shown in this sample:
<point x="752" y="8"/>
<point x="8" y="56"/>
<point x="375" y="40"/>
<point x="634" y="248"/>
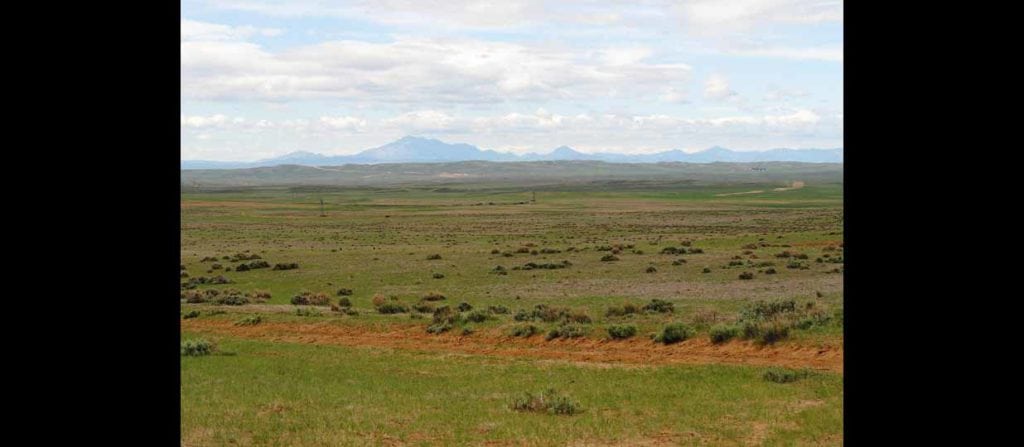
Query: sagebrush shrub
<point x="319" y="299"/>
<point x="764" y="310"/>
<point x="623" y="310"/>
<point x="524" y="330"/>
<point x="478" y="316"/>
<point x="433" y="296"/>
<point x="621" y="331"/>
<point x="234" y="298"/>
<point x="566" y="330"/>
<point x="723" y="333"/>
<point x="773" y="333"/>
<point x="674" y="333"/>
<point x="547" y="402"/>
<point x="659" y="306"/>
<point x="423" y="308"/>
<point x="779" y="375"/>
<point x="498" y="309"/>
<point x="578" y="317"/>
<point x="392" y="308"/>
<point x="260" y="296"/>
<point x="197" y="347"/>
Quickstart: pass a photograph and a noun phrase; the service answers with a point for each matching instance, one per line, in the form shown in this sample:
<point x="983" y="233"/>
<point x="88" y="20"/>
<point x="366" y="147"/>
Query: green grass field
<point x="381" y="379"/>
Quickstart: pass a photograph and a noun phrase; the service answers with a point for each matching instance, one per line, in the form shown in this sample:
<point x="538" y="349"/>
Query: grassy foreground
<point x="265" y="393"/>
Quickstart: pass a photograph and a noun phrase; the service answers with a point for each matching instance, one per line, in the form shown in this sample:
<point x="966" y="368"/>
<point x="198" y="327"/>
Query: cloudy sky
<point x="265" y="78"/>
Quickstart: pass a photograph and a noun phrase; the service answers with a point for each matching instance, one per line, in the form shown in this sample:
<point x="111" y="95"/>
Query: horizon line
<point x="514" y="153"/>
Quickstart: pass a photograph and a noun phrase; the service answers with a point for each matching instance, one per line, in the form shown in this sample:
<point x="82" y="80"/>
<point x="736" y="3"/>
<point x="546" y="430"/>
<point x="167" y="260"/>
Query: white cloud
<point x="192" y="30"/>
<point x="464" y="14"/>
<point x="726" y="16"/>
<point x="717" y="88"/>
<point x="418" y="70"/>
<point x="343" y="122"/>
<point x="218" y="120"/>
<point x="827" y="53"/>
<point x="424" y="120"/>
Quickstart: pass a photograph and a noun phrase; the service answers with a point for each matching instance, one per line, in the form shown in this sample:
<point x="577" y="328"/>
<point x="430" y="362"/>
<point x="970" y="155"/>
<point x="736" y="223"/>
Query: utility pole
<point x="534" y="199"/>
<point x="322" y="213"/>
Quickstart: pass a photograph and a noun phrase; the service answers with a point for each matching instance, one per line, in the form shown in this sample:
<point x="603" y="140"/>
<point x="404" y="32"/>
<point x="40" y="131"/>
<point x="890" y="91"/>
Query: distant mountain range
<point x="424" y="150"/>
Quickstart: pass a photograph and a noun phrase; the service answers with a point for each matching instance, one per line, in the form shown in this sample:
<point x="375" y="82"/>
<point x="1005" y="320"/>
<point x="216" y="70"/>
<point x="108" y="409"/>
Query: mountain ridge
<point x="411" y="149"/>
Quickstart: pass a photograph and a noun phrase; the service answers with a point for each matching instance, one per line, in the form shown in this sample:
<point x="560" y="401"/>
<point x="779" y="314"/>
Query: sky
<point x="261" y="79"/>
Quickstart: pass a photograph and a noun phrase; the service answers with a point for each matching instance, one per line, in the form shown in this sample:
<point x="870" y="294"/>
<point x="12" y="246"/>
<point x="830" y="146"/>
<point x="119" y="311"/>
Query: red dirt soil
<point x="633" y="352"/>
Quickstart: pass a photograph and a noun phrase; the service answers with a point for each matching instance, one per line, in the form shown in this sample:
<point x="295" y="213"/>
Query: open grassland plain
<point x="660" y="313"/>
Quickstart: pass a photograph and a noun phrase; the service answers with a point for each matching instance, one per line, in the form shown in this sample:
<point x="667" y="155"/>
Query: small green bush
<point x="438" y="275"/>
<point x="197" y="347"/>
<point x="765" y="310"/>
<point x="609" y="258"/>
<point x="674" y="333"/>
<point x="524" y="330"/>
<point x="774" y="333"/>
<point x="548" y="402"/>
<point x="498" y="309"/>
<point x="621" y="331"/>
<point x="190" y="314"/>
<point x="344" y="292"/>
<point x="544" y="313"/>
<point x="578" y="317"/>
<point x="433" y="296"/>
<point x="566" y="331"/>
<point x="444" y="319"/>
<point x="478" y="316"/>
<point x="392" y="308"/>
<point x="232" y="299"/>
<point x="723" y="333"/>
<point x="433" y="257"/>
<point x="423" y="308"/>
<point x="779" y="375"/>
<point x="465" y="307"/>
<point x="344" y="302"/>
<point x="659" y="306"/>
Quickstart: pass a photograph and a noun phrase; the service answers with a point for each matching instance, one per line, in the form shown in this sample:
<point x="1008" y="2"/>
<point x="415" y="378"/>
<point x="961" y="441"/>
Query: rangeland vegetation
<point x="662" y="313"/>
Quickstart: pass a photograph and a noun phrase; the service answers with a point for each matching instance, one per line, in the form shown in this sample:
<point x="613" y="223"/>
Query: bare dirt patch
<point x="492" y="342"/>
